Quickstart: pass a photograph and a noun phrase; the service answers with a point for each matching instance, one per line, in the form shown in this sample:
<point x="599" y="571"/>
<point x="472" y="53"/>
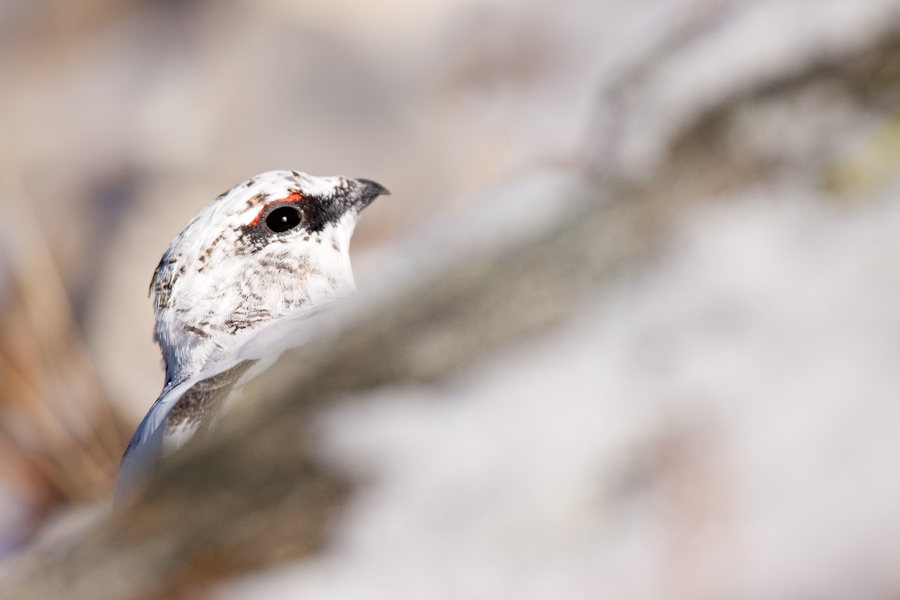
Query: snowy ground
<point x="724" y="423"/>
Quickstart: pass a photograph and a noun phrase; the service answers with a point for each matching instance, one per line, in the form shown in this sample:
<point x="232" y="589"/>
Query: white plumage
<point x="272" y="249"/>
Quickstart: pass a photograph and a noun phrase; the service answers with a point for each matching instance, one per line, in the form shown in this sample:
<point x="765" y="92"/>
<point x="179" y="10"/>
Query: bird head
<point x="277" y="243"/>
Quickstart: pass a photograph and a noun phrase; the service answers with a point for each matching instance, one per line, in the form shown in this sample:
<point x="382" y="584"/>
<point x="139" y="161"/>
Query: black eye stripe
<point x="293" y="213"/>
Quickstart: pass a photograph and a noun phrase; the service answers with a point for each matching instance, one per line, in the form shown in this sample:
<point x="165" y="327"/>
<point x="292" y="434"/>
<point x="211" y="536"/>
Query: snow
<point x="743" y="44"/>
<point x="723" y="422"/>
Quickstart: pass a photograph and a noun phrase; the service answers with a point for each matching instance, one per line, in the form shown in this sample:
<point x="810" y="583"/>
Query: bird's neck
<point x="208" y="318"/>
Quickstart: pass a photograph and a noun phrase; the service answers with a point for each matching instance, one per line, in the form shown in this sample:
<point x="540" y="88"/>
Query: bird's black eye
<point x="282" y="219"/>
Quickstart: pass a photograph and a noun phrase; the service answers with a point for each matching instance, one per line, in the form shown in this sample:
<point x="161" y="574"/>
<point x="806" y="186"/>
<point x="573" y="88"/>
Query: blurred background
<point x="722" y="419"/>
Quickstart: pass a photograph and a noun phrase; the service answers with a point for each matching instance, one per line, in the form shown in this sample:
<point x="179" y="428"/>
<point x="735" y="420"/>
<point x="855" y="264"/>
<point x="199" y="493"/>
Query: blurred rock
<point x="681" y="384"/>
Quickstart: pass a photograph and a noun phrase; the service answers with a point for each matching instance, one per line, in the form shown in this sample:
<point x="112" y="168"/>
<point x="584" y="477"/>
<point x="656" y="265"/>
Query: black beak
<point x="369" y="190"/>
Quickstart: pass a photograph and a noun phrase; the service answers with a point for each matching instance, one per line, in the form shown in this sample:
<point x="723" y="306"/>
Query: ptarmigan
<point x="272" y="249"/>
